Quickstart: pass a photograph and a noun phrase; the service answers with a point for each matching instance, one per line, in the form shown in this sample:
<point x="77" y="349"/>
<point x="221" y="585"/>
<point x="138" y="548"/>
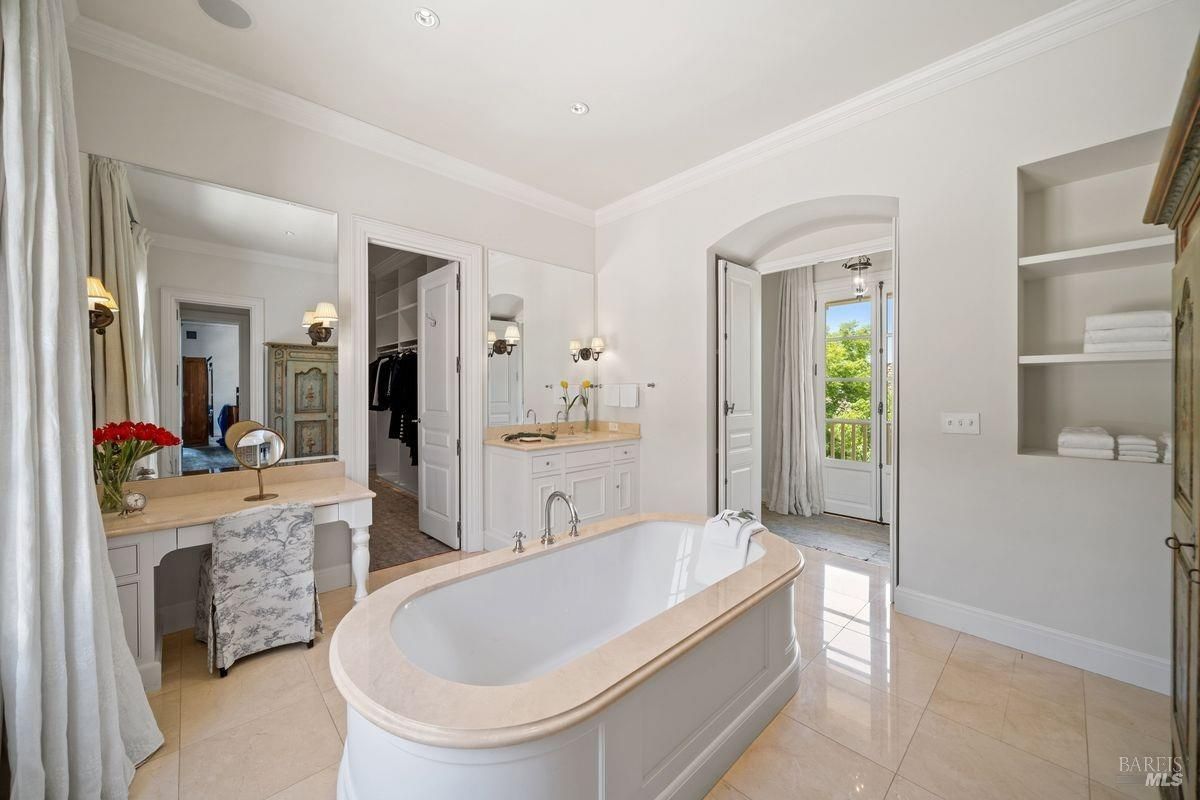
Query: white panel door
<point x="590" y="490"/>
<point x="543" y="487"/>
<point x="740" y="412"/>
<point x="437" y="404"/>
<point x="504" y="382"/>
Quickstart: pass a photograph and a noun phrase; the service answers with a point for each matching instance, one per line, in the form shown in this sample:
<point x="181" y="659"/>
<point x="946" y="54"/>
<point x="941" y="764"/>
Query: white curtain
<point x="794" y="484"/>
<point x="126" y="369"/>
<point x="75" y="714"/>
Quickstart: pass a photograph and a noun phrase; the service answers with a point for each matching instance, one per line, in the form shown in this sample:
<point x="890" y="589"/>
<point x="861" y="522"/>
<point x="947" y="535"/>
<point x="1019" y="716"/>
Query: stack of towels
<point x="1128" y="332"/>
<point x="1168" y="441"/>
<point x="1085" y="443"/>
<point x="1134" y="447"/>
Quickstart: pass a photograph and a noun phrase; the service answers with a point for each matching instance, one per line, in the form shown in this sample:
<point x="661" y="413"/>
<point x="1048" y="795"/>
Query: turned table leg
<point x="360" y="561"/>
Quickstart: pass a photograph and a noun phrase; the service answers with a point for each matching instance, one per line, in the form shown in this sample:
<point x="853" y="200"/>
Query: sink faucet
<point x="557" y="415"/>
<point x="532" y="411"/>
<point x="547" y="536"/>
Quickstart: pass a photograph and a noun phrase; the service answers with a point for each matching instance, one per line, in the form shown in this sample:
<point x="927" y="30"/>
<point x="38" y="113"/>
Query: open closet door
<point x="437" y="404"/>
<point x="739" y="364"/>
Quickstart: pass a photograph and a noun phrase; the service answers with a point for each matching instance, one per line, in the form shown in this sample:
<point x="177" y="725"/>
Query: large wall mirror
<point x="226" y="311"/>
<point x="534" y="311"/>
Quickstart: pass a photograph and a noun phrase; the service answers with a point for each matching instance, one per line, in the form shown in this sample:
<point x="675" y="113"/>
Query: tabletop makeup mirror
<point x="223" y="309"/>
<point x="535" y="312"/>
<point x="256" y="448"/>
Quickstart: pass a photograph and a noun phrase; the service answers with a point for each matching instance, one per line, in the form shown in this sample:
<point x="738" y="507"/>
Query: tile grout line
<point x="925" y="710"/>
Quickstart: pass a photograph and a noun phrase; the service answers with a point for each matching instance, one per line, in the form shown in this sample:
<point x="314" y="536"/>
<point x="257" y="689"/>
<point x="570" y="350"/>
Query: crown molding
<point x="1073" y="21"/>
<point x="199" y="247"/>
<point x="106" y="42"/>
<point x="865" y="247"/>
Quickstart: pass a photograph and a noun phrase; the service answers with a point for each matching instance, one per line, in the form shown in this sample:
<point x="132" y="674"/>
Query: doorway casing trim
<point x="170" y="354"/>
<point x="353" y="289"/>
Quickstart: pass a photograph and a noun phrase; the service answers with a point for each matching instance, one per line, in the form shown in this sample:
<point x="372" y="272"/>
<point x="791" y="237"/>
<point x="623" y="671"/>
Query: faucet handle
<point x="518" y="538"/>
<point x="574" y="527"/>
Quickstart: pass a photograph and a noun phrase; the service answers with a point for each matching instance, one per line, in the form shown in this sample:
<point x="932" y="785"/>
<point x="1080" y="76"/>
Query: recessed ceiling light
<point x="227" y="12"/>
<point x="580" y="108"/>
<point x="288" y="233"/>
<point x="426" y="18"/>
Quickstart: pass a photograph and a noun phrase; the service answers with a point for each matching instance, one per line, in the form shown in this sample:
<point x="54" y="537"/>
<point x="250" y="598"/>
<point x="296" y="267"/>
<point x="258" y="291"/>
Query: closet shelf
<point x="386" y="314"/>
<point x="1120" y="255"/>
<point x="1094" y="358"/>
<point x="408" y="306"/>
<point x="1048" y="453"/>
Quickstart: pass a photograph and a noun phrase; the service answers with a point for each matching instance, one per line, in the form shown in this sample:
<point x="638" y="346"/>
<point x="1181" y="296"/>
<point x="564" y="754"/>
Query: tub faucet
<point x="547" y="536"/>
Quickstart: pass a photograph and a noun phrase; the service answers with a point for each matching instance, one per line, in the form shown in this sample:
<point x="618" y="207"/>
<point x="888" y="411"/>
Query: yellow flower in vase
<point x="583" y="398"/>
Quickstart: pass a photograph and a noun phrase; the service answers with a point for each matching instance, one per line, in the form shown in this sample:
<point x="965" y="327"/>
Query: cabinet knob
<point x="1175" y="544"/>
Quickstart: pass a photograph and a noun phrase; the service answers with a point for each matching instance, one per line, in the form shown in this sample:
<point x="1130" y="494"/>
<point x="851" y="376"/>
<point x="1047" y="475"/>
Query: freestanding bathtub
<point x="627" y="663"/>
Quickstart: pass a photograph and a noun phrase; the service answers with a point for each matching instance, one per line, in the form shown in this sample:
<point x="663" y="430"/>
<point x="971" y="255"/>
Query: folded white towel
<point x="1129" y="335"/>
<point x="724" y="546"/>
<point x="1085" y="437"/>
<point x="1125" y="347"/>
<point x="1142" y="459"/>
<point x="1167" y="439"/>
<point x="1137" y="449"/>
<point x="1086" y="452"/>
<point x="1128" y="319"/>
<point x="1135" y="438"/>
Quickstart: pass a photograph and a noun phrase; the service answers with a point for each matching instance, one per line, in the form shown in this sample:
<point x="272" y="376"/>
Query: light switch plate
<point x="961" y="422"/>
<point x="613" y="427"/>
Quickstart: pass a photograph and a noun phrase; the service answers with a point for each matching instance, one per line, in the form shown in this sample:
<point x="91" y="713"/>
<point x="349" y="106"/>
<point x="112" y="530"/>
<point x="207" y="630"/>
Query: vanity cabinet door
<point x="592" y="491"/>
<point x="542" y="487"/>
<point x="625" y="489"/>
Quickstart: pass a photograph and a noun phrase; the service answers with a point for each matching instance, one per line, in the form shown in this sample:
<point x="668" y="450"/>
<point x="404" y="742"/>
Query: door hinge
<point x="458" y="281"/>
<point x="457" y="364"/>
<point x="880" y="406"/>
<point x="458" y="447"/>
<point x="814" y="369"/>
<point x="458" y="530"/>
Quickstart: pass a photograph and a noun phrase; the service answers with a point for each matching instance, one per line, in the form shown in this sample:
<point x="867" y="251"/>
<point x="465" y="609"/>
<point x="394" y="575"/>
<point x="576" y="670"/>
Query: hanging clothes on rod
<point x="393" y="388"/>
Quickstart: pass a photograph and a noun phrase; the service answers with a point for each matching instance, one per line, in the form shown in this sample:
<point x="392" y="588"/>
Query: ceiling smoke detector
<point x="426" y="17"/>
<point x="228" y="13"/>
<point x="579" y="109"/>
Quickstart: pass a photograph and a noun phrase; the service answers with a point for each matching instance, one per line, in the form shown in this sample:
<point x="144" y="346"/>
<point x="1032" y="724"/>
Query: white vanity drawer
<point x="624" y="452"/>
<point x="124" y="560"/>
<point x="546" y="462"/>
<point x="589" y="458"/>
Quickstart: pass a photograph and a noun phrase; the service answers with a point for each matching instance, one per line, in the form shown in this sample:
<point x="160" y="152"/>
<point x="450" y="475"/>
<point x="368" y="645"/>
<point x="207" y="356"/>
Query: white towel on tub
<point x="724" y="546"/>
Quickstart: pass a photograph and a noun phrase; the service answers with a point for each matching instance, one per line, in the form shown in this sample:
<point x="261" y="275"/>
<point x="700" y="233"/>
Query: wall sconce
<point x="102" y="306"/>
<point x="586" y="353"/>
<point x="859" y="266"/>
<point x="505" y="346"/>
<point x="319" y="322"/>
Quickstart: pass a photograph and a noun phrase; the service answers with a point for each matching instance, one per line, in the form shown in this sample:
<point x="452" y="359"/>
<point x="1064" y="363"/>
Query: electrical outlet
<point x="961" y="422"/>
<point x="613" y="427"/>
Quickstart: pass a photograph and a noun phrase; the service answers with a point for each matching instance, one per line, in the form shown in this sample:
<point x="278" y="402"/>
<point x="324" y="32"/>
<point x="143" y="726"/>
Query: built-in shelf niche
<point x="1083" y="250"/>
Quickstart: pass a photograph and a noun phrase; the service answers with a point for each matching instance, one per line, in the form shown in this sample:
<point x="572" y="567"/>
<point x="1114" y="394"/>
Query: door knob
<point x="1175" y="544"/>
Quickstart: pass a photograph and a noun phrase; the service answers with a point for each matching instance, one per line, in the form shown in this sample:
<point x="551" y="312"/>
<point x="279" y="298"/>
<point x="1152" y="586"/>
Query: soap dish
<point x="529" y="439"/>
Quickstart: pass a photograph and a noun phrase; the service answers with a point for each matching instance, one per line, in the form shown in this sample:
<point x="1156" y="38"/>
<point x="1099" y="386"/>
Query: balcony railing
<point x="848" y="439"/>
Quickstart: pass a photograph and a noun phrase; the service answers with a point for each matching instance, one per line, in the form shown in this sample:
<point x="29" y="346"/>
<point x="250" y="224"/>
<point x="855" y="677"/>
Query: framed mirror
<point x="226" y="312"/>
<point x="535" y="310"/>
<point x="256" y="448"/>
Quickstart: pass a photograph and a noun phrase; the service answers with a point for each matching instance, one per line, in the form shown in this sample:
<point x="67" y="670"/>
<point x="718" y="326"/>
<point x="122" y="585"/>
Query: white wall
<point x="218" y="341"/>
<point x="1076" y="548"/>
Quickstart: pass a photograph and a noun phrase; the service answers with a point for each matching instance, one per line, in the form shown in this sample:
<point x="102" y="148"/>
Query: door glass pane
<point x="848" y="318"/>
<point x="848" y="439"/>
<point x="889" y="379"/>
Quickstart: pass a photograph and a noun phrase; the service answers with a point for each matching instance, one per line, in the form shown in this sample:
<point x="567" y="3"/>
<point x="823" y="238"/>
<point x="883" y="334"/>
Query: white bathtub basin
<point x="478" y="632"/>
<point x="631" y="663"/>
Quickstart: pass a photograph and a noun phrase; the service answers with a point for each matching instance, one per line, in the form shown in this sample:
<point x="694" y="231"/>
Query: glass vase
<point x="112" y="496"/>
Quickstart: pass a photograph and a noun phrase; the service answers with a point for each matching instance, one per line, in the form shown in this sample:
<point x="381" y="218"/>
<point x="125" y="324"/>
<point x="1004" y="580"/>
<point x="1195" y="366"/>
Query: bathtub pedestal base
<point x="672" y="736"/>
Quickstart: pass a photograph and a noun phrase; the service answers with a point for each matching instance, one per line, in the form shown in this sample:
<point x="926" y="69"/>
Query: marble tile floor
<point x="889" y="707"/>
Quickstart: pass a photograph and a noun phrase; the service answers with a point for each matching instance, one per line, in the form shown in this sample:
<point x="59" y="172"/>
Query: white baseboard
<point x="333" y="577"/>
<point x="1131" y="666"/>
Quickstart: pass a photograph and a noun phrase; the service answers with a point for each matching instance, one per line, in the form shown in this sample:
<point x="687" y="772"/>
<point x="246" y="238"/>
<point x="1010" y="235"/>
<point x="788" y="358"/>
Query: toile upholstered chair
<point x="257" y="586"/>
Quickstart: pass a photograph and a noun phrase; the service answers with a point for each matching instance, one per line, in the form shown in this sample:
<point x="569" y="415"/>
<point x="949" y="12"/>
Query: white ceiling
<point x="204" y="212"/>
<point x="671" y="83"/>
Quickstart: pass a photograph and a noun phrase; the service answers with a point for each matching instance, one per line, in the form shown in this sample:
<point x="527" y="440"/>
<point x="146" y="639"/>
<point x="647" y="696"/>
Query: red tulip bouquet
<point x="116" y="448"/>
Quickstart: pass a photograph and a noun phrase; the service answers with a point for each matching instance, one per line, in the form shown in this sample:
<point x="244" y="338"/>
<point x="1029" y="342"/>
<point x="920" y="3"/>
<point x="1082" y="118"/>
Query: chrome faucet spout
<point x="534" y="413"/>
<point x="547" y="536"/>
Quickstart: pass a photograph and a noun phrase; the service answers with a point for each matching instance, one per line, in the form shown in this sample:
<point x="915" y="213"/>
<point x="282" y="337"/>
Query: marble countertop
<point x="383" y="686"/>
<point x="199" y="499"/>
<point x="566" y="440"/>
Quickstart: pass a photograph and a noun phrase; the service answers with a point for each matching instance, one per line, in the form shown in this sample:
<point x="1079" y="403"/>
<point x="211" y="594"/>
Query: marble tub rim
<point x="416" y="706"/>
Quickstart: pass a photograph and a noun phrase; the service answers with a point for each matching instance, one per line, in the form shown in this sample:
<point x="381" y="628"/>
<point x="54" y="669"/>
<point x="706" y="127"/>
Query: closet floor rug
<point x="396" y="536"/>
<point x="854" y="538"/>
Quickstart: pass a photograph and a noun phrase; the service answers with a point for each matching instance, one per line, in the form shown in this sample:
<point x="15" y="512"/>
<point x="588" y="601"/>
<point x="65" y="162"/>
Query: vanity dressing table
<point x="180" y="513"/>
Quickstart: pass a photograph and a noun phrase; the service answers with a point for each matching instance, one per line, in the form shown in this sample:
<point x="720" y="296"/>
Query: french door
<point x="857" y="378"/>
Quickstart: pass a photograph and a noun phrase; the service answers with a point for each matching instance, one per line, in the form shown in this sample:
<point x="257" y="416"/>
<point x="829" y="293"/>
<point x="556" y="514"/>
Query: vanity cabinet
<point x="601" y="479"/>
